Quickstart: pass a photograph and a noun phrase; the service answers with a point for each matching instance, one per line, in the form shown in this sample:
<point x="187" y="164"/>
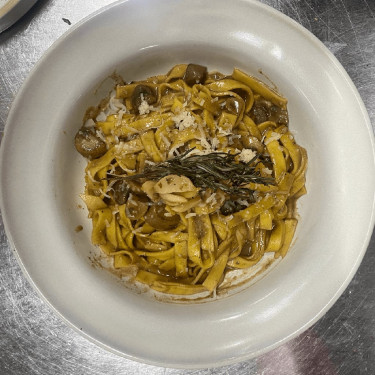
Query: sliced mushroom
<point x="246" y="249"/>
<point x="175" y="184"/>
<point x="157" y="219"/>
<point x="252" y="143"/>
<point x="136" y="206"/>
<point x="260" y="112"/>
<point x="228" y="208"/>
<point x="233" y="105"/>
<point x="143" y="93"/>
<point x="89" y="144"/>
<point x="120" y="192"/>
<point x="231" y="206"/>
<point x="279" y="115"/>
<point x="136" y="187"/>
<point x="195" y="74"/>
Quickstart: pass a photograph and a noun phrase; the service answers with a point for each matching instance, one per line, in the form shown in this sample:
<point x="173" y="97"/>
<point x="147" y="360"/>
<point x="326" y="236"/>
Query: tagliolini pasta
<point x="191" y="174"/>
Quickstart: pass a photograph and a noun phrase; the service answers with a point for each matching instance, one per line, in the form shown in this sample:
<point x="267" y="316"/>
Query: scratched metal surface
<point x="34" y="341"/>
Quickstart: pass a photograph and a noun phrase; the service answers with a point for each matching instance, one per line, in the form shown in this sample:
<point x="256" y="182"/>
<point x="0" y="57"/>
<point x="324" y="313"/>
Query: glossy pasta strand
<point x="183" y="233"/>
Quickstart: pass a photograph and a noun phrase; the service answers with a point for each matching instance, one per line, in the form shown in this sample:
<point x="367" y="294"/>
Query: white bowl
<point x="42" y="176"/>
<point x="12" y="10"/>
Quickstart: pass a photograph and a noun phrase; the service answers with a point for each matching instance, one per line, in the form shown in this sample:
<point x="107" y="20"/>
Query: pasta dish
<point x="190" y="175"/>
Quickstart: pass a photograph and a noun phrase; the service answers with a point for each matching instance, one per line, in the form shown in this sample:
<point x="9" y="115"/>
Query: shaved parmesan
<point x="265" y="170"/>
<point x="184" y="120"/>
<point x="100" y="135"/>
<point x="215" y="143"/>
<point x="101" y="117"/>
<point x="274" y="137"/>
<point x="90" y="123"/>
<point x="211" y="198"/>
<point x="144" y="108"/>
<point x="247" y="155"/>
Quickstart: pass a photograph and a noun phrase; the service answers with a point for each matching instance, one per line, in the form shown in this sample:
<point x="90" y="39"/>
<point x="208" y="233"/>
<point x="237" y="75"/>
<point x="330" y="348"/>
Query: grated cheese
<point x="266" y="170"/>
<point x="243" y="202"/>
<point x="274" y="137"/>
<point x="131" y="200"/>
<point x="116" y="105"/>
<point x="222" y="132"/>
<point x="90" y="176"/>
<point x="90" y="123"/>
<point x="174" y="150"/>
<point x="100" y="135"/>
<point x="119" y="117"/>
<point x="205" y="144"/>
<point x="184" y="120"/>
<point x="215" y="143"/>
<point x="247" y="155"/>
<point x="112" y="170"/>
<point x="103" y="193"/>
<point x="144" y="108"/>
<point x="101" y="117"/>
<point x="211" y="198"/>
<point x="149" y="162"/>
<point x="231" y="138"/>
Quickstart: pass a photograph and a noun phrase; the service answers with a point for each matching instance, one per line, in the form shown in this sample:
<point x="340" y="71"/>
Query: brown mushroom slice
<point x="156" y="217"/>
<point x="136" y="187"/>
<point x="229" y="207"/>
<point x="143" y="93"/>
<point x="279" y="115"/>
<point x="251" y="142"/>
<point x="89" y="145"/>
<point x="246" y="249"/>
<point x="261" y="111"/>
<point x="120" y="191"/>
<point x="234" y="105"/>
<point x="136" y="206"/>
<point x="195" y="74"/>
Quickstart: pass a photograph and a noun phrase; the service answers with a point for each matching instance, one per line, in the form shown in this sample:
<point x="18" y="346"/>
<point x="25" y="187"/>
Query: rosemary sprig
<point x="217" y="170"/>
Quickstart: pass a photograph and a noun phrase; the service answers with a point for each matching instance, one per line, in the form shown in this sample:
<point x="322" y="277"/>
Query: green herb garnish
<point x="216" y="170"/>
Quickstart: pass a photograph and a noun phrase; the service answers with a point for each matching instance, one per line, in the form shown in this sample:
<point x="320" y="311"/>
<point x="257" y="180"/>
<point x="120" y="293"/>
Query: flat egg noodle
<point x="214" y="116"/>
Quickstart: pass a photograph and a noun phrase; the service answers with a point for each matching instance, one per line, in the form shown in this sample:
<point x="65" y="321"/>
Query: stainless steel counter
<point x="34" y="341"/>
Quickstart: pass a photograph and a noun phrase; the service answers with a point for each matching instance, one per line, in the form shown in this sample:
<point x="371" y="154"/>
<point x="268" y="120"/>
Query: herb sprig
<point x="216" y="170"/>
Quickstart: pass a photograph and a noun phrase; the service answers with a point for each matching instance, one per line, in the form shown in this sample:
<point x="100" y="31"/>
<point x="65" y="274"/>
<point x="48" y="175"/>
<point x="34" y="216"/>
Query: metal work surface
<point x="33" y="340"/>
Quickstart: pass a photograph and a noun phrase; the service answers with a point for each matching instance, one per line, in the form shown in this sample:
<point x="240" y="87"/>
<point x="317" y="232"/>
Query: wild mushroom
<point x="89" y="145"/>
<point x="136" y="206"/>
<point x="195" y="74"/>
<point x="159" y="218"/>
<point x="120" y="192"/>
<point x="143" y="93"/>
